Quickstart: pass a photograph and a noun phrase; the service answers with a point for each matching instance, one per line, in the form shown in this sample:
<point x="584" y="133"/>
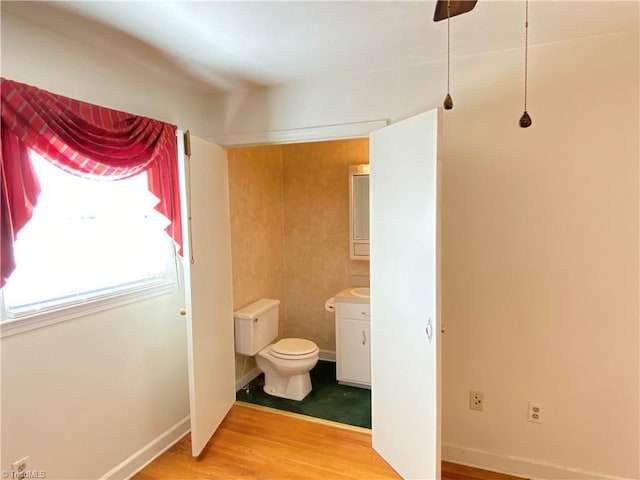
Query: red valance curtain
<point x="83" y="139"/>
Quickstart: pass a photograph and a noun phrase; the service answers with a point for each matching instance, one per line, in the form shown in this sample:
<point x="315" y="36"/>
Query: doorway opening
<point x="289" y="208"/>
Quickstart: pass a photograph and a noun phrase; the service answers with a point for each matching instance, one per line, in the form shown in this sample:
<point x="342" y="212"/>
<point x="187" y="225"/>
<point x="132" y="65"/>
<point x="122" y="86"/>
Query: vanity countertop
<point x="346" y="296"/>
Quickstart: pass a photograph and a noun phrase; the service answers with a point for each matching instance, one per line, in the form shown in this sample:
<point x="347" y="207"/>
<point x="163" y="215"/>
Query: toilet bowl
<point x="286" y="365"/>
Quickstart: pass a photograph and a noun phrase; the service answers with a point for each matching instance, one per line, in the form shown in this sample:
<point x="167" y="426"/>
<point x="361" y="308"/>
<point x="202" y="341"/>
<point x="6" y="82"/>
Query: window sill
<point x="15" y="326"/>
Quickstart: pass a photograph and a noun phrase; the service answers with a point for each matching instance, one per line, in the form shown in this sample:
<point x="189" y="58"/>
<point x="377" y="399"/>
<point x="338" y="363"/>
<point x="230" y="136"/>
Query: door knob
<point x="443" y="329"/>
<point x="183" y="312"/>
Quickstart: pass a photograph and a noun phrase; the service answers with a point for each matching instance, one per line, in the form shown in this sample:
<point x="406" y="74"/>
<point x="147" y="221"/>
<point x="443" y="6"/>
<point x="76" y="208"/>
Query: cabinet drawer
<point x="360" y="311"/>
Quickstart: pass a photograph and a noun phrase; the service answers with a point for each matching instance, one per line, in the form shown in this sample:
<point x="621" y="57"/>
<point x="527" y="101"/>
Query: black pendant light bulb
<point x="448" y="101"/>
<point x="525" y="119"/>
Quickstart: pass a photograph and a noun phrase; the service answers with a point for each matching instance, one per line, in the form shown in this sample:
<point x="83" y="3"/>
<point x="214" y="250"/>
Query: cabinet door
<point x="354" y="364"/>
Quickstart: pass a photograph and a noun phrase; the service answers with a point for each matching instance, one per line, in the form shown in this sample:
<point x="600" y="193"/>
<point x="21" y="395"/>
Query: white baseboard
<point x="247" y="377"/>
<point x="149" y="452"/>
<point x="327" y="355"/>
<point x="517" y="466"/>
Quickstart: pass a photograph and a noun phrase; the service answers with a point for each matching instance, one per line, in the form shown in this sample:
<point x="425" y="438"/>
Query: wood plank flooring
<point x="249" y="445"/>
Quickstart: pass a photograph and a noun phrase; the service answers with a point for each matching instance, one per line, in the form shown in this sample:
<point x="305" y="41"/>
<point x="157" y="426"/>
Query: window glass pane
<point x="86" y="238"/>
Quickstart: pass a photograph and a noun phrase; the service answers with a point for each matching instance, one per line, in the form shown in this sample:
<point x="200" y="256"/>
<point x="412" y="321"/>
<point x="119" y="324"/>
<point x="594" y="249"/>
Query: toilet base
<point x="294" y="387"/>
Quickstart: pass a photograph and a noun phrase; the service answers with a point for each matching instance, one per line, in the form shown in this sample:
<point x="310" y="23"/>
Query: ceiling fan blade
<point x="457" y="8"/>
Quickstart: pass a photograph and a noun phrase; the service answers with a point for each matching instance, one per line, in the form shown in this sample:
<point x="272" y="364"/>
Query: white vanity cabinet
<point x="353" y="345"/>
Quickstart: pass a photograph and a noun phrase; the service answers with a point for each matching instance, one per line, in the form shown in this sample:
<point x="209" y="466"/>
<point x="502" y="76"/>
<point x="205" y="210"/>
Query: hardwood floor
<point x="249" y="445"/>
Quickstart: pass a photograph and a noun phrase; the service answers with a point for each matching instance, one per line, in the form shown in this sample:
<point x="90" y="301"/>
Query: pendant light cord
<point x="448" y="47"/>
<point x="448" y="101"/>
<point x="526" y="51"/>
<point x="525" y="119"/>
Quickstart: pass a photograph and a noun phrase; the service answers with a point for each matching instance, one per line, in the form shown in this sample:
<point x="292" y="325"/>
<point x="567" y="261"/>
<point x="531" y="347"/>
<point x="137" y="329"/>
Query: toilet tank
<point x="256" y="325"/>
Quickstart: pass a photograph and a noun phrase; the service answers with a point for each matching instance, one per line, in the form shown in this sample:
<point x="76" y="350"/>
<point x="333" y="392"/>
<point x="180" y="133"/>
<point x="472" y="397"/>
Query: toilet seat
<point x="294" y="348"/>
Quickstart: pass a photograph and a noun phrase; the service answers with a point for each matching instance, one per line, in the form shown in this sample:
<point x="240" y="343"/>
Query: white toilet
<point x="286" y="363"/>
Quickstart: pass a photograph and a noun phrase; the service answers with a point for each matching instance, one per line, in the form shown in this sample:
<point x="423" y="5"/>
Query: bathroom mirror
<point x="359" y="212"/>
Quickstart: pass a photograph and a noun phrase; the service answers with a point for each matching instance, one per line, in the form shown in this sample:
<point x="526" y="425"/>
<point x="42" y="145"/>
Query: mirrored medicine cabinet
<point x="359" y="212"/>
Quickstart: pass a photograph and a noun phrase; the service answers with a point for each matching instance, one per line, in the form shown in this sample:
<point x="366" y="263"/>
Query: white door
<point x="405" y="305"/>
<point x="208" y="287"/>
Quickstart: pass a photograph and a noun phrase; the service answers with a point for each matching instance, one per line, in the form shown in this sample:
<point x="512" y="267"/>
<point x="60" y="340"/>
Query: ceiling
<point x="223" y="46"/>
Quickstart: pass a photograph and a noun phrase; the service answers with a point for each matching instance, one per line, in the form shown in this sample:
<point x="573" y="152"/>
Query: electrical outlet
<point x="20" y="466"/>
<point x="535" y="412"/>
<point x="476" y="400"/>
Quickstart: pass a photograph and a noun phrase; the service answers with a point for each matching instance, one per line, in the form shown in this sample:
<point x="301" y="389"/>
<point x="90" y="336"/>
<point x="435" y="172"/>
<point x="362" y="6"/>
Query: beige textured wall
<point x="255" y="197"/>
<point x="316" y="233"/>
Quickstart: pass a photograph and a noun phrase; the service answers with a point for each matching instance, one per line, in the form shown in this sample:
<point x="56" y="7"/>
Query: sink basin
<point x="362" y="292"/>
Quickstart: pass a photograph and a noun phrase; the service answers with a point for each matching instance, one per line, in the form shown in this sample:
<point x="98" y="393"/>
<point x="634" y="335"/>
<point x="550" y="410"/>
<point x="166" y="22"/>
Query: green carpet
<point x="327" y="400"/>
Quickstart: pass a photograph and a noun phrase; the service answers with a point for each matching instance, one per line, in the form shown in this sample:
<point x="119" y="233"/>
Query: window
<point x="88" y="241"/>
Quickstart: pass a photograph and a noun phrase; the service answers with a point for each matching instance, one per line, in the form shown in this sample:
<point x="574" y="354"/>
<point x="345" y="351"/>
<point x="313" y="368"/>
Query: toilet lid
<point x="294" y="346"/>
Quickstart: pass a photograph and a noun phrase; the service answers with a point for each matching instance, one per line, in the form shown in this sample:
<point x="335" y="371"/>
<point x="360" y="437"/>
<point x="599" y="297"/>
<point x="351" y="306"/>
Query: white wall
<point x="81" y="397"/>
<point x="540" y="267"/>
<point x="39" y="56"/>
<point x="540" y="243"/>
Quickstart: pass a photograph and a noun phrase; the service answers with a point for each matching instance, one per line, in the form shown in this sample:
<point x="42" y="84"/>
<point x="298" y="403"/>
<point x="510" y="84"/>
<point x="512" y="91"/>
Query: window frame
<point x="91" y="302"/>
<point x="114" y="299"/>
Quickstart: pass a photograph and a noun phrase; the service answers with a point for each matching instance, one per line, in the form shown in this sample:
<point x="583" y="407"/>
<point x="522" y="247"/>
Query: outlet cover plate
<point x="476" y="400"/>
<point x="21" y="465"/>
<point x="535" y="412"/>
